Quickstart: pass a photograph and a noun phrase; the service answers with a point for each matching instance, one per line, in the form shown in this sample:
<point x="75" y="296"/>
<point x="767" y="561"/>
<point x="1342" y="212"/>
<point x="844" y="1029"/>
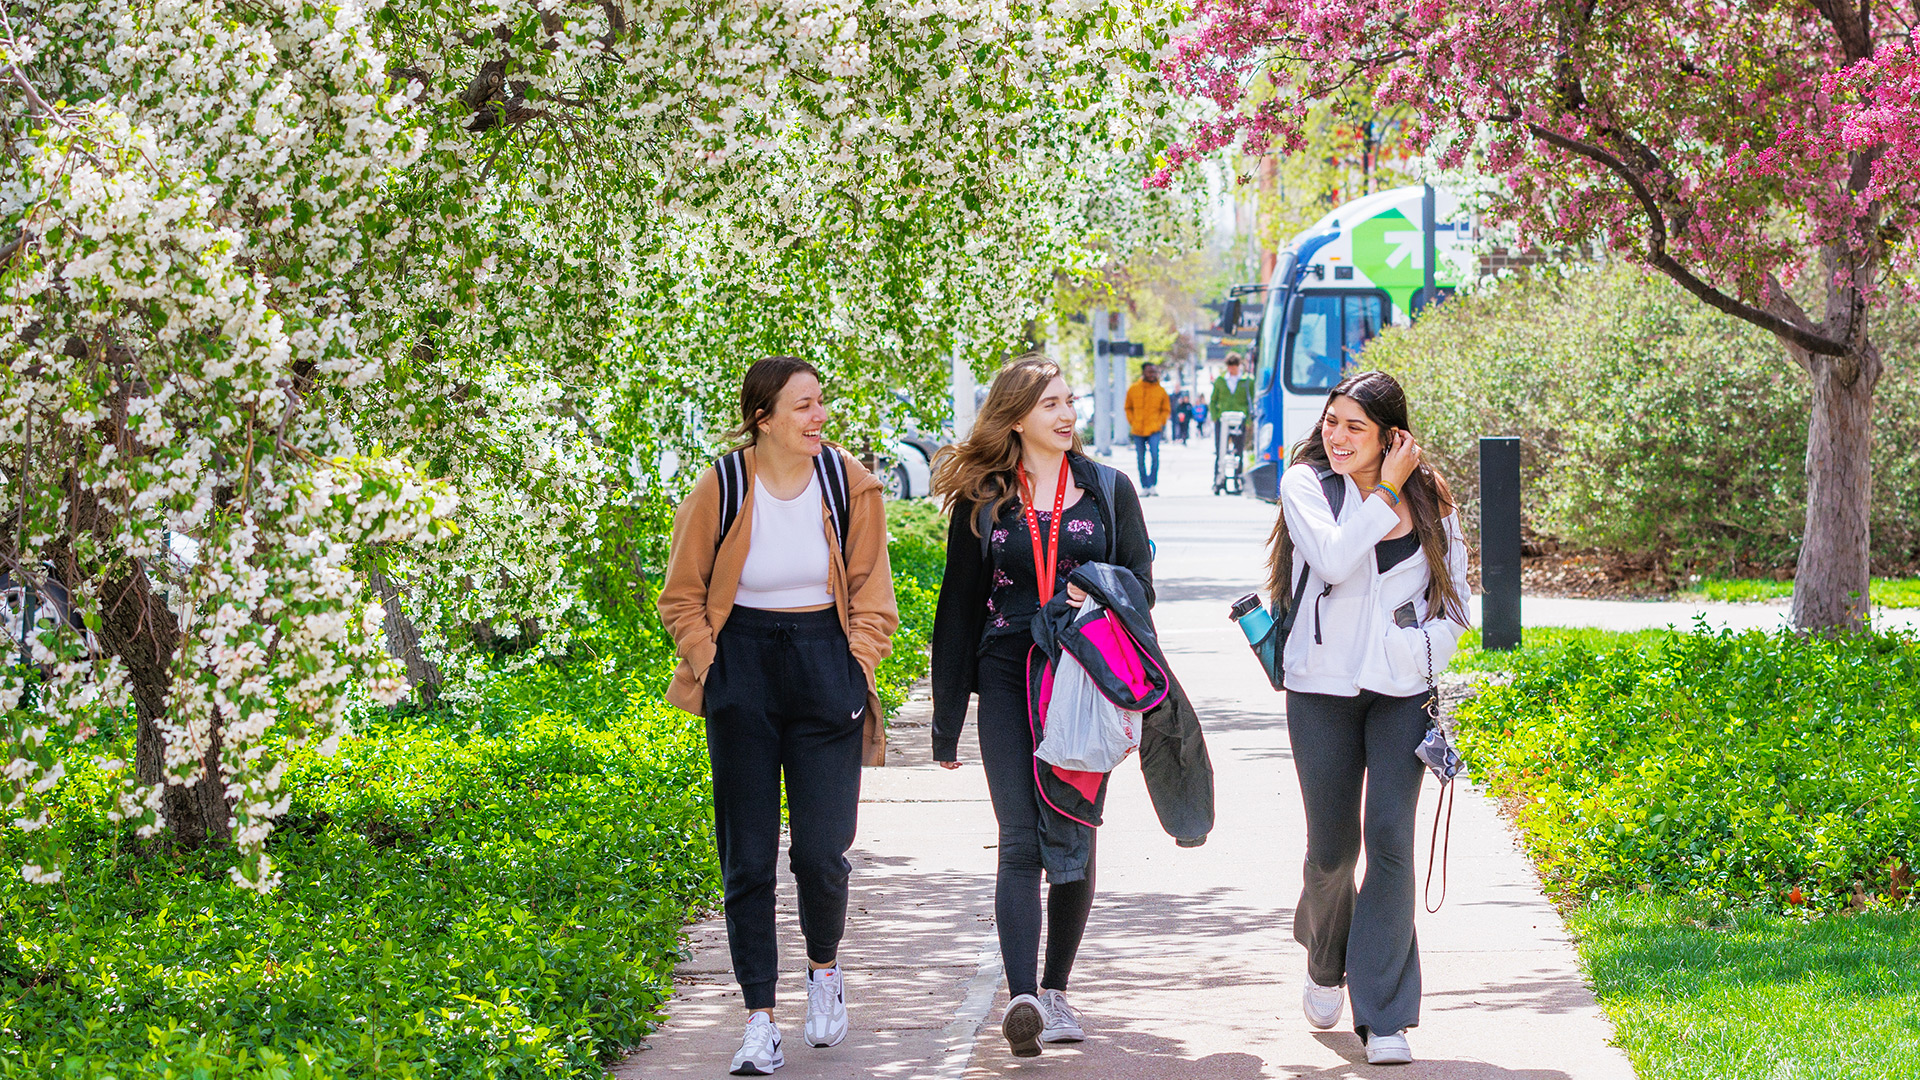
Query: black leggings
<point x="1361" y="784"/>
<point x="784" y="697"/>
<point x="1006" y="752"/>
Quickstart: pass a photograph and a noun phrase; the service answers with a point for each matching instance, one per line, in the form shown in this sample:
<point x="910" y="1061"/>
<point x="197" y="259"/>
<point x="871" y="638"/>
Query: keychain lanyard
<point x="1044" y="564"/>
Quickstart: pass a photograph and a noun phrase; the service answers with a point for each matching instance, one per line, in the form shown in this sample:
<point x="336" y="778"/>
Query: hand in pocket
<point x="857" y="682"/>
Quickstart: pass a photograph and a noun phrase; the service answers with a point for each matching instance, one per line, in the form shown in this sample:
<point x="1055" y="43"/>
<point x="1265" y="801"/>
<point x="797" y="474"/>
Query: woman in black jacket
<point x="1027" y="507"/>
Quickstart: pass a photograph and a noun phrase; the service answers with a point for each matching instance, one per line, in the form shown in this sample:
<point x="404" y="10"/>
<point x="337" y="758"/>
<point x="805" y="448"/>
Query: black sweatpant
<point x="1006" y="752"/>
<point x="1342" y="746"/>
<point x="784" y="695"/>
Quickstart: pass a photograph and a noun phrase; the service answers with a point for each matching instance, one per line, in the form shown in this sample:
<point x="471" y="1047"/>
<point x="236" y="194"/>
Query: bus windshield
<point x="1334" y="327"/>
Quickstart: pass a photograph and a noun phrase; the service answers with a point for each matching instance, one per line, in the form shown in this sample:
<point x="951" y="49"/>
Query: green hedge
<point x="1655" y="429"/>
<point x="493" y="891"/>
<point x="917" y="546"/>
<point x="487" y="893"/>
<point x="1734" y="767"/>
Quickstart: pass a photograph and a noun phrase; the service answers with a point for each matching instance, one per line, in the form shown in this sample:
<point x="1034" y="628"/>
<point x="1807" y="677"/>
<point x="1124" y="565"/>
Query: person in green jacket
<point x="1233" y="392"/>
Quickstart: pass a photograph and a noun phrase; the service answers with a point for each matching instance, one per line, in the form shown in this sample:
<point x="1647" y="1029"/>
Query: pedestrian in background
<point x="779" y="598"/>
<point x="1148" y="408"/>
<point x="1232" y="393"/>
<point x="1383" y="606"/>
<point x="1182" y="417"/>
<point x="1026" y="510"/>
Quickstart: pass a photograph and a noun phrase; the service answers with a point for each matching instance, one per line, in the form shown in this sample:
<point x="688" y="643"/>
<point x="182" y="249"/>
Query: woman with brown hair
<point x="780" y="601"/>
<point x="1027" y="508"/>
<point x="1382" y="587"/>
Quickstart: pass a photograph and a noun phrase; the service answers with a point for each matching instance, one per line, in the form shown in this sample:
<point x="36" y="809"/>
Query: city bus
<point x="1370" y="263"/>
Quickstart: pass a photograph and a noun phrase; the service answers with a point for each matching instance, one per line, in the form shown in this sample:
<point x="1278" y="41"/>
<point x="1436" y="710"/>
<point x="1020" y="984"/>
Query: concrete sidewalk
<point x="1189" y="969"/>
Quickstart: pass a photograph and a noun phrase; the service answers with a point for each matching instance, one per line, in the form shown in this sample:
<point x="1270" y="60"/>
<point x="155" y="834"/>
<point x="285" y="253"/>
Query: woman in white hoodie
<point x="1383" y="606"/>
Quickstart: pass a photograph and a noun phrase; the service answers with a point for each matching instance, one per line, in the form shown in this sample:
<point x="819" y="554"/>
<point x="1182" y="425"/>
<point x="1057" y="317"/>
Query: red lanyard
<point x="1045" y="564"/>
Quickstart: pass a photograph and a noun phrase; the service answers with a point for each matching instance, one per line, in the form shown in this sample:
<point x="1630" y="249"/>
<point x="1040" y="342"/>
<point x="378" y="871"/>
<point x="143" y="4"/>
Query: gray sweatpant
<point x="1342" y="747"/>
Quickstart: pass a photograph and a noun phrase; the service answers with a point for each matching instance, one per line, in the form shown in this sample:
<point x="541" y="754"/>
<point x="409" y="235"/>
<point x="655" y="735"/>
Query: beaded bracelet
<point x="1389" y="489"/>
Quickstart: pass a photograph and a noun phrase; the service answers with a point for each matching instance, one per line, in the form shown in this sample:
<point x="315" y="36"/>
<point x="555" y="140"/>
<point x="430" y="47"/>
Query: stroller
<point x="1229" y="453"/>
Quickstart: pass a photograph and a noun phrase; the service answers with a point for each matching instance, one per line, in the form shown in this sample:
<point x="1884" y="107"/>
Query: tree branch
<point x="33" y="96"/>
<point x="1660" y="259"/>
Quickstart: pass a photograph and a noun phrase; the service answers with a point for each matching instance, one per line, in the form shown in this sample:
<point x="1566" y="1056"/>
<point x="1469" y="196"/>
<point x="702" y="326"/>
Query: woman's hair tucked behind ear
<point x="980" y="471"/>
<point x="760" y="394"/>
<point x="1379" y="395"/>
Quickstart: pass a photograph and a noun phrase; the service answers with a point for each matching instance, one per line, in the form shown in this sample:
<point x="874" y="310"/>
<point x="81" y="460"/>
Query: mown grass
<point x="1732" y="822"/>
<point x="1883" y="592"/>
<point x="1701" y="993"/>
<point x="1539" y="640"/>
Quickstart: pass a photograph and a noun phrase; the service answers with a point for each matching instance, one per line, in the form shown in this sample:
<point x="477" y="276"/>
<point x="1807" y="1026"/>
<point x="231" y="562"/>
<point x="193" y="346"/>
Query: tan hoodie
<point x="697" y="596"/>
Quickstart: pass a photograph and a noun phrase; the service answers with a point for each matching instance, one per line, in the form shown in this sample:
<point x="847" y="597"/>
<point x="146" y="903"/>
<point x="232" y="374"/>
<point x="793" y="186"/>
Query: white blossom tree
<point x="416" y="294"/>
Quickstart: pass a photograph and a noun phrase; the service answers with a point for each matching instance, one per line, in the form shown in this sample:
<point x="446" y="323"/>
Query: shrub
<point x="490" y="888"/>
<point x="917" y="546"/>
<point x="1731" y="766"/>
<point x="486" y="892"/>
<point x="1652" y="427"/>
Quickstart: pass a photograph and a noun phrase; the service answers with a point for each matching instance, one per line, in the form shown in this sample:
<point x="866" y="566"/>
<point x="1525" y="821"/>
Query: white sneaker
<point x="759" y="1052"/>
<point x="1063" y="1024"/>
<point x="1388" y="1049"/>
<point x="826" y="1007"/>
<point x="1022" y="1024"/>
<point x="1322" y="1004"/>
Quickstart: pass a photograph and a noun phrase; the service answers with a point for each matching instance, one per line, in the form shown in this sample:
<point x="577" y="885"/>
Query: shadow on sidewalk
<point x="1348" y="1045"/>
<point x="1548" y="994"/>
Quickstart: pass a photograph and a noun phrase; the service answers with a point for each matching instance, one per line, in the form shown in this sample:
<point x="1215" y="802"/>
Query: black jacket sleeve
<point x="1131" y="547"/>
<point x="958" y="621"/>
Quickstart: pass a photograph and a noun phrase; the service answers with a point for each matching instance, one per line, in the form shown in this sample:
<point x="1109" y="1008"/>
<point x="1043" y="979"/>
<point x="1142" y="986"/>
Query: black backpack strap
<point x="832" y="473"/>
<point x="1108" y="478"/>
<point x="827" y="467"/>
<point x="1334" y="487"/>
<point x="732" y="469"/>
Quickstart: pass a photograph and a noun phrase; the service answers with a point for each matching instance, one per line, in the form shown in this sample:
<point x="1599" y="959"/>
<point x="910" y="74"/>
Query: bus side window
<point x="1315" y="360"/>
<point x="1363" y="320"/>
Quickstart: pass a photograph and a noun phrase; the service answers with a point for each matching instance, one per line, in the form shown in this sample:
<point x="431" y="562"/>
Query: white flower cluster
<point x="299" y="294"/>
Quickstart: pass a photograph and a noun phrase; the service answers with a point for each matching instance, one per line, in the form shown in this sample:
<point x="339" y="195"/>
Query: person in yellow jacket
<point x="1148" y="408"/>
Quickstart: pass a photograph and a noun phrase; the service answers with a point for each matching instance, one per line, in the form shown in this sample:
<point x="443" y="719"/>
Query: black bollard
<point x="1500" y="542"/>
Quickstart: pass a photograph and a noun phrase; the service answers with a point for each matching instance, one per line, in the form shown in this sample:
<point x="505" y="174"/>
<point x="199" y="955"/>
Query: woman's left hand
<point x="1075" y="595"/>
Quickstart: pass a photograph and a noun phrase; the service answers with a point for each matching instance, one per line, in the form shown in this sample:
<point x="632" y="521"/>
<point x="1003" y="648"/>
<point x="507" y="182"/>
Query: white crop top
<point x="787" y="555"/>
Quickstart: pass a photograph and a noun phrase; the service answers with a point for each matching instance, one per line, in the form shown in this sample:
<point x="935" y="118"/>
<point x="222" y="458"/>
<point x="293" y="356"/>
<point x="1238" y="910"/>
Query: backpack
<point x="1334" y="487"/>
<point x="828" y="469"/>
<point x="1105" y="476"/>
<point x="1272" y="646"/>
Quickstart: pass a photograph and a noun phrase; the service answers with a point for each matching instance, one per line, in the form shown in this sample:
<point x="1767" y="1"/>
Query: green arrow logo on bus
<point x="1388" y="249"/>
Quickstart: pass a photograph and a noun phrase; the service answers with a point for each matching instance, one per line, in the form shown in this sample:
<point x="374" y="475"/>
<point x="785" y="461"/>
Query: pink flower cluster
<point x="1615" y="123"/>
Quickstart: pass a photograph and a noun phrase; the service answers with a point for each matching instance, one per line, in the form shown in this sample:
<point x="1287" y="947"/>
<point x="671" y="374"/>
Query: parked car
<point x="49" y="601"/>
<point x="908" y="473"/>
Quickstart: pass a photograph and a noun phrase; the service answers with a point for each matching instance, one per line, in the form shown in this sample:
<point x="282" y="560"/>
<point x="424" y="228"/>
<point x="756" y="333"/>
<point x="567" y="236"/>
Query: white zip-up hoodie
<point x="1346" y="641"/>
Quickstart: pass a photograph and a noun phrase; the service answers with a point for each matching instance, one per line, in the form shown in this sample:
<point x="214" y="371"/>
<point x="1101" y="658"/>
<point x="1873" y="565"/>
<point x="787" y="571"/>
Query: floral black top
<point x="1014" y="597"/>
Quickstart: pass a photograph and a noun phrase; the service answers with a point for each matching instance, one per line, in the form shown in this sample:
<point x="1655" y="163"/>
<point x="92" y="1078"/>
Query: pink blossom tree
<point x="1737" y="148"/>
<point x="1877" y="106"/>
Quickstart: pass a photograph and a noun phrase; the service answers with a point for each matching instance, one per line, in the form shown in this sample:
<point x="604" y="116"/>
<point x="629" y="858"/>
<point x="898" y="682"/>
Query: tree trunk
<point x="136" y="626"/>
<point x="403" y="639"/>
<point x="1830" y="583"/>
